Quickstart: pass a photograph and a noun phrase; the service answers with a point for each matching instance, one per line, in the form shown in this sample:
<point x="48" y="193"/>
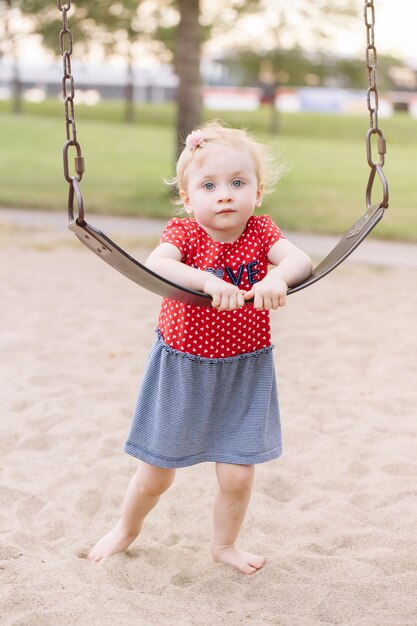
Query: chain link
<point x="372" y="98"/>
<point x="68" y="93"/>
<point x="371" y="59"/>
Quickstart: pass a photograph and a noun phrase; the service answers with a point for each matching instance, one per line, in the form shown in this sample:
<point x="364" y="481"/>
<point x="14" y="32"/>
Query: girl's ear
<point x="259" y="194"/>
<point x="185" y="199"/>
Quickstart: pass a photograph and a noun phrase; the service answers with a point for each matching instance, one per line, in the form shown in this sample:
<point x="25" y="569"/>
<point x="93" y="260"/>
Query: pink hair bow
<point x="195" y="140"/>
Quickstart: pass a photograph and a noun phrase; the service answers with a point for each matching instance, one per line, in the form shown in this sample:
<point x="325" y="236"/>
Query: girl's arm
<point x="292" y="266"/>
<point x="166" y="261"/>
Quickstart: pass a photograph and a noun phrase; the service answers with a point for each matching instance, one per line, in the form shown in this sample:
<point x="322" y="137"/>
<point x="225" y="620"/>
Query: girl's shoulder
<point x="263" y="224"/>
<point x="183" y="229"/>
<point x="262" y="228"/>
<point x="261" y="220"/>
<point x="183" y="233"/>
<point x="182" y="224"/>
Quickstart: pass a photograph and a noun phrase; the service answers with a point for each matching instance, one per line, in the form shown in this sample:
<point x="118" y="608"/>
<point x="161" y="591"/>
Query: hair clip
<point x="195" y="140"/>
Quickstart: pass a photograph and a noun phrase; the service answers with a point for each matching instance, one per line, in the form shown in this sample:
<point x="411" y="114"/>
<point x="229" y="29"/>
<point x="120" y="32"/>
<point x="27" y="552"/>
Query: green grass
<point x="323" y="191"/>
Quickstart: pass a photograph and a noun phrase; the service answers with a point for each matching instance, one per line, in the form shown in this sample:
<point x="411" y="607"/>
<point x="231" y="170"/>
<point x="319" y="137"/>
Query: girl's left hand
<point x="269" y="293"/>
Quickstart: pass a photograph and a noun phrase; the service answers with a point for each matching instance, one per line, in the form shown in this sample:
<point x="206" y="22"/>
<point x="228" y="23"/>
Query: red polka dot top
<point x="205" y="331"/>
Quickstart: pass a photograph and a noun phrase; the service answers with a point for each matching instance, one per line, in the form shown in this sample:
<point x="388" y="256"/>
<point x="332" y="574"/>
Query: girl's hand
<point x="269" y="293"/>
<point x="226" y="297"/>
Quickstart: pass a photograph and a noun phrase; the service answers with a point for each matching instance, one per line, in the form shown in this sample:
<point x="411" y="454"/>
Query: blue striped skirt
<point x="191" y="409"/>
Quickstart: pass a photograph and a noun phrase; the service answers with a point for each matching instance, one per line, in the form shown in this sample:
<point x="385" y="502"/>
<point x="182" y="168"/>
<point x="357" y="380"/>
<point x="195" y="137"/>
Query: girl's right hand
<point x="225" y="297"/>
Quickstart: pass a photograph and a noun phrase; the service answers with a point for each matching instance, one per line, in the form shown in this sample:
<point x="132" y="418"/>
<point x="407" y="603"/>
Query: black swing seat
<point x="111" y="253"/>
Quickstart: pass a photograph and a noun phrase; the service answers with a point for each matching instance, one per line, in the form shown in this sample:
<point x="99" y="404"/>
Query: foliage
<point x="104" y="23"/>
<point x="295" y="67"/>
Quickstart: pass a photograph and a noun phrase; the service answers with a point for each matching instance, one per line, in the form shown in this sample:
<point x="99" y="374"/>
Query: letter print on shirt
<point x="219" y="273"/>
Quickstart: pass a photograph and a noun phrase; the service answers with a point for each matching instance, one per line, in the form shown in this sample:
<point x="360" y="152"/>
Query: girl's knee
<point x="152" y="480"/>
<point x="236" y="478"/>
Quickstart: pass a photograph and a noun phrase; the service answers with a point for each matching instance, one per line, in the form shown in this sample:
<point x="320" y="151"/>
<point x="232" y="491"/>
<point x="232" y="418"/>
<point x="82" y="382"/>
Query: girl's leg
<point x="143" y="492"/>
<point x="230" y="506"/>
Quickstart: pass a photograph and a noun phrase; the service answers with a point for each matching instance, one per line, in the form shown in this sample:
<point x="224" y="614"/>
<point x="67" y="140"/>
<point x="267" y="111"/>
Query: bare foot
<point x="245" y="562"/>
<point x="115" y="541"/>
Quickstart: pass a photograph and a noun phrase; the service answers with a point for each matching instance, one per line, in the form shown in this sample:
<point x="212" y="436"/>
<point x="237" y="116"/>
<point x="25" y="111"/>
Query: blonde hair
<point x="267" y="170"/>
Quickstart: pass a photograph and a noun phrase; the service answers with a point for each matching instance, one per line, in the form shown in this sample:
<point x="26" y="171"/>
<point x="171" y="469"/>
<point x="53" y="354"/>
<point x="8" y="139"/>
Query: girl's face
<point x="222" y="190"/>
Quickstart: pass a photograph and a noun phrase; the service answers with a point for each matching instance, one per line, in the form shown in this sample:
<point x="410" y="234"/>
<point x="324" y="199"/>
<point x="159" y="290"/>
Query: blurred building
<point x="93" y="82"/>
<point x="158" y="86"/>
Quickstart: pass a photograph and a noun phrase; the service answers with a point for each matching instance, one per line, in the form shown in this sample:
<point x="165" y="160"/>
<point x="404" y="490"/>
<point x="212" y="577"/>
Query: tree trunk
<point x="16" y="85"/>
<point x="275" y="117"/>
<point x="129" y="90"/>
<point x="16" y="89"/>
<point x="187" y="60"/>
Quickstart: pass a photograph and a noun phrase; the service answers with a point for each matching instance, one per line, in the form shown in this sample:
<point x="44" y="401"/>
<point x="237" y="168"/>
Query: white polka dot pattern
<point x="204" y="331"/>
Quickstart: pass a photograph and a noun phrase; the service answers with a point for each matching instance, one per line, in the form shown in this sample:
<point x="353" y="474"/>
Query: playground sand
<point x="335" y="516"/>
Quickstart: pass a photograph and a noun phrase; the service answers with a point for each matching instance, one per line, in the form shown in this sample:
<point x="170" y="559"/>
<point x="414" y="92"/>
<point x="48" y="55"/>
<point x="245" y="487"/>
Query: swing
<point x="120" y="260"/>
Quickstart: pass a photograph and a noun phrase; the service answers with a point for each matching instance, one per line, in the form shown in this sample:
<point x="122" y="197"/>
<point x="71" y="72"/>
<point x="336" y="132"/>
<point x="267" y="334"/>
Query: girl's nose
<point x="224" y="195"/>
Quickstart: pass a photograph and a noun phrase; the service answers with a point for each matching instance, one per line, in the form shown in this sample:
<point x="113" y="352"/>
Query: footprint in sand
<point x="89" y="502"/>
<point x="357" y="469"/>
<point x="19" y="405"/>
<point x="34" y="512"/>
<point x="8" y="552"/>
<point x="401" y="469"/>
<point x="9" y="496"/>
<point x="371" y="501"/>
<point x="316" y="549"/>
<point x="182" y="580"/>
<point x="172" y="539"/>
<point x="39" y="442"/>
<point x="280" y="489"/>
<point x="54" y="530"/>
<point x="8" y="442"/>
<point x="311" y="504"/>
<point x="28" y="508"/>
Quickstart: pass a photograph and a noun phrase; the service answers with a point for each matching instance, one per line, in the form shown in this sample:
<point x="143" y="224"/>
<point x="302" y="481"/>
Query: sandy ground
<point x="336" y="515"/>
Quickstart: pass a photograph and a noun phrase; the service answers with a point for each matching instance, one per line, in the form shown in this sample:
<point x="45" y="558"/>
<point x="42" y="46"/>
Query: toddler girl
<point x="209" y="391"/>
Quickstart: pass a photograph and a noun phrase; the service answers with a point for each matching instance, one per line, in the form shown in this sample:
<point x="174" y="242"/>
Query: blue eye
<point x="237" y="183"/>
<point x="208" y="186"/>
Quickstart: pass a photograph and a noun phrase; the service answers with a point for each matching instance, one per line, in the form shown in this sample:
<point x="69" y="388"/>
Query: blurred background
<point x="147" y="72"/>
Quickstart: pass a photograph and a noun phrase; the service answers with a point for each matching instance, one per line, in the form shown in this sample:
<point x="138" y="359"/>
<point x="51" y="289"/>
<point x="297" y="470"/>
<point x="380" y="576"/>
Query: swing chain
<point x="372" y="98"/>
<point x="68" y="92"/>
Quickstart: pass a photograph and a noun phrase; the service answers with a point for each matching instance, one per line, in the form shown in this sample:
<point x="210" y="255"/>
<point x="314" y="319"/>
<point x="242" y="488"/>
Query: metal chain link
<point x="372" y="98"/>
<point x="68" y="92"/>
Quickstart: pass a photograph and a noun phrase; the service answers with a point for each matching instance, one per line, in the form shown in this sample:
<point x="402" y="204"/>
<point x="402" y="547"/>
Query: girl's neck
<point x="224" y="236"/>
